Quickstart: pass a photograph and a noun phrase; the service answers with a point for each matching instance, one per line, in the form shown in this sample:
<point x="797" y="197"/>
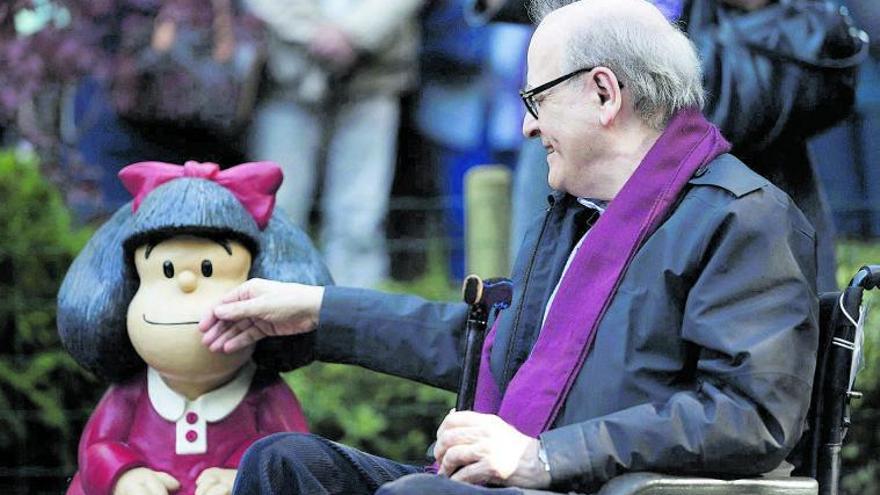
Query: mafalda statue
<point x="178" y="417"/>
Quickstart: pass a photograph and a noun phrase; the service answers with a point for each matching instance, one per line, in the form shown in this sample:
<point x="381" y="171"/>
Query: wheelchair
<point x="817" y="457"/>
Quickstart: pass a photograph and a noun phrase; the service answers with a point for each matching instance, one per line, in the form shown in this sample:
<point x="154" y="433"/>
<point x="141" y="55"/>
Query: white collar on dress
<point x="215" y="405"/>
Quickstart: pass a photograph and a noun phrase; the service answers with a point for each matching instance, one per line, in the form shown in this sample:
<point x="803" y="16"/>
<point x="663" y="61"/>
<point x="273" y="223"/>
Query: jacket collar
<point x="215" y="405"/>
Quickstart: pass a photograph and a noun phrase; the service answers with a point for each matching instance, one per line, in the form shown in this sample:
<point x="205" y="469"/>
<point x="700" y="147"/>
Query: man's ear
<point x="609" y="92"/>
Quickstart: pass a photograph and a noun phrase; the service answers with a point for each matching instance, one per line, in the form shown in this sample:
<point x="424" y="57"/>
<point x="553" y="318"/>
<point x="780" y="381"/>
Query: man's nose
<point x="530" y="126"/>
<point x="187" y="281"/>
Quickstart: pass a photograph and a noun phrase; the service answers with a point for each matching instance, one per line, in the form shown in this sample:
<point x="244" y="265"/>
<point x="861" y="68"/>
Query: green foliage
<point x="861" y="464"/>
<point x="39" y="382"/>
<point x="379" y="414"/>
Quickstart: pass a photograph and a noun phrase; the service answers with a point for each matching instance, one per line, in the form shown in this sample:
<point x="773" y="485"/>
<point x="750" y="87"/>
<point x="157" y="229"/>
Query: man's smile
<point x="171" y="323"/>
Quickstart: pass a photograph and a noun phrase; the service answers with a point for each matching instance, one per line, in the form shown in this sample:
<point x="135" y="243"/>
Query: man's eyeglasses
<point x="528" y="96"/>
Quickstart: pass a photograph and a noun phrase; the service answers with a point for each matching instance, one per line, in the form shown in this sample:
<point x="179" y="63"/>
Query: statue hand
<point x="145" y="481"/>
<point x="216" y="481"/>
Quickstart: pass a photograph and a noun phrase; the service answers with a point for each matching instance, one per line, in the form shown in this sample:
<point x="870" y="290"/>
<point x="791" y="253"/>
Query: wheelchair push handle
<point x="868" y="277"/>
<point x="481" y="296"/>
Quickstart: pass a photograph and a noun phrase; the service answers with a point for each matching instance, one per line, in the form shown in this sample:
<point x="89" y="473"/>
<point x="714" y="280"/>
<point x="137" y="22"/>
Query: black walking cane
<point x="482" y="297"/>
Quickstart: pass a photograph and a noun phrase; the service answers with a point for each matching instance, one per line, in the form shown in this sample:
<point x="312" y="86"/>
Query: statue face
<point x="180" y="279"/>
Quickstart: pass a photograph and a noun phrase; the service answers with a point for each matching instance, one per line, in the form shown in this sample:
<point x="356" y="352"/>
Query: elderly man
<point x="664" y="315"/>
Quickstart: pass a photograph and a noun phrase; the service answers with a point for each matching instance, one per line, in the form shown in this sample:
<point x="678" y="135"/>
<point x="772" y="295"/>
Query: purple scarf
<point x="539" y="387"/>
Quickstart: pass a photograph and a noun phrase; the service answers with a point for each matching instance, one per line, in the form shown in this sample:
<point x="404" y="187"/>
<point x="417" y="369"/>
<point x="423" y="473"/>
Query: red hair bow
<point x="253" y="184"/>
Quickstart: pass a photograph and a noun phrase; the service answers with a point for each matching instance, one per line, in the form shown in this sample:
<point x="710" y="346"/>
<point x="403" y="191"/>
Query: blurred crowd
<point x="376" y="110"/>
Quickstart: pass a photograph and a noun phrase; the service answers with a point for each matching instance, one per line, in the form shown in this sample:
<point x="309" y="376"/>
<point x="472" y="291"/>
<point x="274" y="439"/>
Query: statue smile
<point x="172" y="323"/>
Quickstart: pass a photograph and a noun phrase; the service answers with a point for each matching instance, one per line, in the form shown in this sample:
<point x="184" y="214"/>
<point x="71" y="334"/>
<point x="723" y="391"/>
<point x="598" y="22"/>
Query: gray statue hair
<point x="655" y="61"/>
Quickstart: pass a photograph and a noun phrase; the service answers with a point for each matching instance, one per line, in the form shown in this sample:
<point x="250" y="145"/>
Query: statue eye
<point x="168" y="268"/>
<point x="207" y="268"/>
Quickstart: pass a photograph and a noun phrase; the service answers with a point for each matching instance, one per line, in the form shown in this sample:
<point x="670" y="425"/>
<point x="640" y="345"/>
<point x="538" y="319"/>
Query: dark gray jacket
<point x="702" y="364"/>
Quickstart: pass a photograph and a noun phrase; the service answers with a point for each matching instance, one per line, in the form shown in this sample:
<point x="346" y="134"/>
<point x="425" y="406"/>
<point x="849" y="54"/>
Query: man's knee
<point x="414" y="483"/>
<point x="284" y="448"/>
<point x="280" y="454"/>
<point x="287" y="442"/>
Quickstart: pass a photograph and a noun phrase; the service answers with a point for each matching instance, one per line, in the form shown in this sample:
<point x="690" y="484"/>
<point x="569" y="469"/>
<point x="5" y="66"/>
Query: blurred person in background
<point x="337" y="69"/>
<point x="110" y="122"/>
<point x="467" y="106"/>
<point x="850" y="152"/>
<point x="737" y="93"/>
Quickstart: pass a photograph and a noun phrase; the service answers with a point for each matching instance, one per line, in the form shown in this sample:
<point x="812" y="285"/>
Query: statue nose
<point x="187" y="281"/>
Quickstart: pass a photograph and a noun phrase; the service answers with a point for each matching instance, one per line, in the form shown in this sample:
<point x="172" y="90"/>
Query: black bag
<point x="787" y="70"/>
<point x="205" y="79"/>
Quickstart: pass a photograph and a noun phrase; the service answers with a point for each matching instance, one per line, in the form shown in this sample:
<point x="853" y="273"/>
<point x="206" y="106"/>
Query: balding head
<point x="578" y="12"/>
<point x="651" y="56"/>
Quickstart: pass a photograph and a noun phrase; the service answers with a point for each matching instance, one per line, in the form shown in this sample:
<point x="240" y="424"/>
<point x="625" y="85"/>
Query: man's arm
<point x="752" y="315"/>
<point x="400" y="335"/>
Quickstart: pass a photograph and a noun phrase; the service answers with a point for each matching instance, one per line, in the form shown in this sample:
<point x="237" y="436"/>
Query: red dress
<point x="126" y="431"/>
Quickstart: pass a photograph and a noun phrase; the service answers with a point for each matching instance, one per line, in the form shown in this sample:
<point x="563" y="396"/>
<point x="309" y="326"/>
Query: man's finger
<point x="239" y="310"/>
<point x="457" y="419"/>
<point x="457" y="456"/>
<point x="267" y="329"/>
<point x="208" y="320"/>
<point x="475" y="474"/>
<point x="443" y="423"/>
<point x="215" y="331"/>
<point x="230" y="333"/>
<point x="244" y="339"/>
<point x="451" y="437"/>
<point x="243" y="292"/>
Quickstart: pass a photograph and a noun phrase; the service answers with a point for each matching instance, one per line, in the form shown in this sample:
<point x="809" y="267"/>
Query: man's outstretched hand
<point x="482" y="448"/>
<point x="260" y="308"/>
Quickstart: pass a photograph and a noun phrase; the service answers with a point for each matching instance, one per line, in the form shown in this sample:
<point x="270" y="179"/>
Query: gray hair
<point x="656" y="62"/>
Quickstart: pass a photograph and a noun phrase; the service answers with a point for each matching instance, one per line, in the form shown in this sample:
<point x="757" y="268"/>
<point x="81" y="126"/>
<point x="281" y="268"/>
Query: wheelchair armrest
<point x="662" y="484"/>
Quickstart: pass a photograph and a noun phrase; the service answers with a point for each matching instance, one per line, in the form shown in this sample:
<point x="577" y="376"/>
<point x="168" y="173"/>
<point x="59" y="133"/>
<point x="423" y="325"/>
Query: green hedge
<point x="44" y="395"/>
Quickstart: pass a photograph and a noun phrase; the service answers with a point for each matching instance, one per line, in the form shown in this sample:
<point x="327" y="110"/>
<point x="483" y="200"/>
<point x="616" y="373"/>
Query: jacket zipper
<point x="515" y="333"/>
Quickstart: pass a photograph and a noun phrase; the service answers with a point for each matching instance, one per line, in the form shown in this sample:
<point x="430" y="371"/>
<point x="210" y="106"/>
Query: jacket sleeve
<point x="103" y="451"/>
<point x="400" y="335"/>
<point x="751" y="318"/>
